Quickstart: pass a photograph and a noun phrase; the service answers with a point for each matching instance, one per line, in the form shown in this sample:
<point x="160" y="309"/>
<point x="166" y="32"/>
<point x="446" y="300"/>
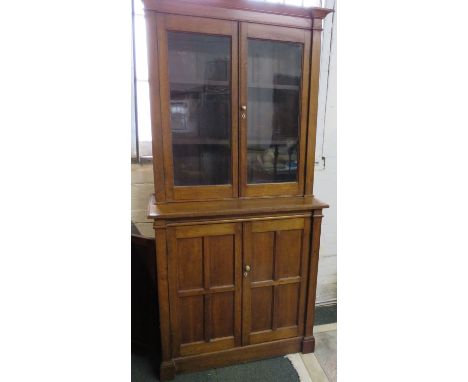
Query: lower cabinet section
<point x="236" y="284"/>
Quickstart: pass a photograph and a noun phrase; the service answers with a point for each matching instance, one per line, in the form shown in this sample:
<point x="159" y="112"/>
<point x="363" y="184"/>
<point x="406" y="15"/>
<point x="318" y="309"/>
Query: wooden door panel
<point x="262" y="308"/>
<point x="288" y="253"/>
<point x="205" y="287"/>
<point x="222" y="315"/>
<point x="191" y="270"/>
<point x="262" y="257"/>
<point x="191" y="308"/>
<point x="274" y="289"/>
<point x="287" y="305"/>
<point x="221" y="255"/>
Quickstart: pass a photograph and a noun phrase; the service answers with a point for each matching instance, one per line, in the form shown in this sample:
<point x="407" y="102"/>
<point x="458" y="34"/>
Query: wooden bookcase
<point x="233" y="90"/>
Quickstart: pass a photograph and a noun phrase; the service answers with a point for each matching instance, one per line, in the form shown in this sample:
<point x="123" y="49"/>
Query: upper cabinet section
<point x="230" y="98"/>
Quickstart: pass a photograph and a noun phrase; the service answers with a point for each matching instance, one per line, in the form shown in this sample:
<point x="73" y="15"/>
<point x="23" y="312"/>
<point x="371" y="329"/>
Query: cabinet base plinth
<point x="308" y="345"/>
<point x="229" y="357"/>
<point x="167" y="371"/>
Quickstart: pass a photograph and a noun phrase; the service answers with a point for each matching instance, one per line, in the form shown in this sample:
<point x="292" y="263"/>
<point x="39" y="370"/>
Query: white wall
<point x="325" y="172"/>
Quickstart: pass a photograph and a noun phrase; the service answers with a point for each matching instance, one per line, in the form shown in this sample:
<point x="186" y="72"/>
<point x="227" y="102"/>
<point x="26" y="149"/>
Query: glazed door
<point x="274" y="279"/>
<point x="198" y="76"/>
<point x="205" y="270"/>
<point x="274" y="74"/>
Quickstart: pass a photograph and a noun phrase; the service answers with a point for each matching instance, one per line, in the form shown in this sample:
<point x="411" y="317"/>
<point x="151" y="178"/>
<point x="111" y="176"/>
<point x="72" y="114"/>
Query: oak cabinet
<point x="233" y="93"/>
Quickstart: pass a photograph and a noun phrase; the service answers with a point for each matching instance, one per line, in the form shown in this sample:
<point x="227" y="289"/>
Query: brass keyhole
<point x="243" y="114"/>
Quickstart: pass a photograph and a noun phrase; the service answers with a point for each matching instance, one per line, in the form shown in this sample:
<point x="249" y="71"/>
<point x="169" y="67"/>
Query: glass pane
<point x="275" y="70"/>
<point x="200" y="89"/>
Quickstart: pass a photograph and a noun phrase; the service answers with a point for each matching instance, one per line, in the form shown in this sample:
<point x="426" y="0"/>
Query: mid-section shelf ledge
<point x="232" y="207"/>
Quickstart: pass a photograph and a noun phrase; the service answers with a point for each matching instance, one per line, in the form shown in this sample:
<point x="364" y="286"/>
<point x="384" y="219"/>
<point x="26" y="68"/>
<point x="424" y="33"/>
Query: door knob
<point x="243" y="107"/>
<point x="247" y="268"/>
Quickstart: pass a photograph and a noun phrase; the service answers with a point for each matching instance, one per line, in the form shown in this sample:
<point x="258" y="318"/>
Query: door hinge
<point x="320" y="164"/>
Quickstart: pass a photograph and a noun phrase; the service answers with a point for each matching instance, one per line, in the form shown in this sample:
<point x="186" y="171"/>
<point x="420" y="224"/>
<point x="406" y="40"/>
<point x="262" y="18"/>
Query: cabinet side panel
<point x="313" y="110"/>
<point x="163" y="293"/>
<point x="165" y="106"/>
<point x="156" y="129"/>
<point x="313" y="268"/>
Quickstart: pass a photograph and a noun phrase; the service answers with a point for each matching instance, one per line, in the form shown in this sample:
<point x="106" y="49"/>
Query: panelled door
<point x="205" y="271"/>
<point x="274" y="87"/>
<point x="275" y="262"/>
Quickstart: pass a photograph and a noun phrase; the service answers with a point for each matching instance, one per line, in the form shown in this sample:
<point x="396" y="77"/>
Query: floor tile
<point x="313" y="367"/>
<point x="325" y="328"/>
<point x="325" y="352"/>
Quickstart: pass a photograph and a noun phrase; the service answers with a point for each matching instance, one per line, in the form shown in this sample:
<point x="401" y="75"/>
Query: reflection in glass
<point x="274" y="76"/>
<point x="200" y="95"/>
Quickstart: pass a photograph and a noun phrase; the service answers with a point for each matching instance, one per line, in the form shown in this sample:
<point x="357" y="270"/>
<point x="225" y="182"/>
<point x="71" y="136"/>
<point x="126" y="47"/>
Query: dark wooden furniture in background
<point x="145" y="314"/>
<point x="234" y="90"/>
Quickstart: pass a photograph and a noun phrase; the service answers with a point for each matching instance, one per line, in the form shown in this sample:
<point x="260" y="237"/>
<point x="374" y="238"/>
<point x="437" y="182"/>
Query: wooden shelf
<point x="275" y="86"/>
<point x="200" y="141"/>
<point x="265" y="142"/>
<point x="200" y="83"/>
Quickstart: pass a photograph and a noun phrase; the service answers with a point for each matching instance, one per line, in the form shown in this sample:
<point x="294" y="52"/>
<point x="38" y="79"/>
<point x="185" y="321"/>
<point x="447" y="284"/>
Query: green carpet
<point x="270" y="370"/>
<point x="325" y="314"/>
